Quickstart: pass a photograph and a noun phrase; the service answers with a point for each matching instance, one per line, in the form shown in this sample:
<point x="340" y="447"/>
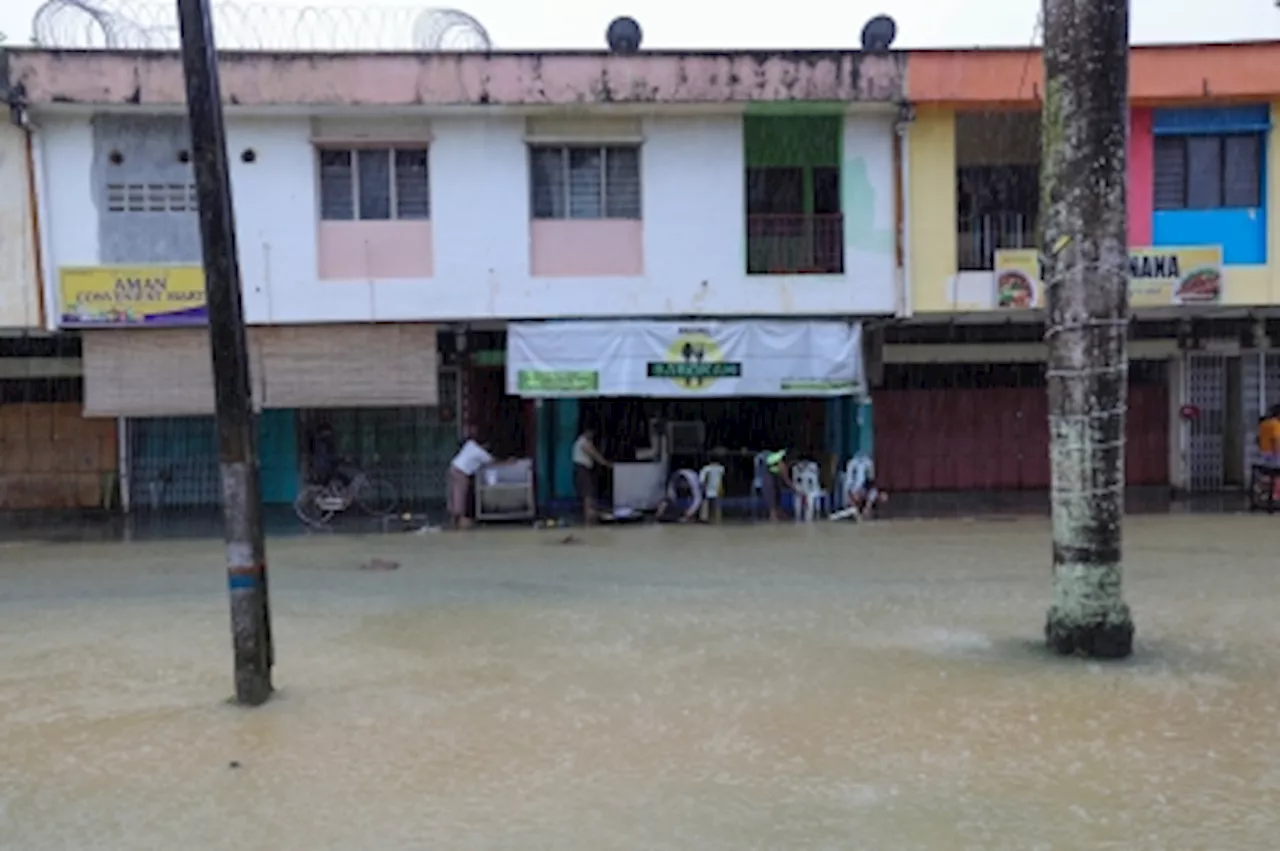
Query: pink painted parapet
<point x="432" y="78"/>
<point x="568" y="248"/>
<point x="1141" y="176"/>
<point x="375" y="250"/>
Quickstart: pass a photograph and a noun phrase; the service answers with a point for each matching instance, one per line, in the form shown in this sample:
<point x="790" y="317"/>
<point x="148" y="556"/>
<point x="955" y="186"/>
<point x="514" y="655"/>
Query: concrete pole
<point x="237" y="443"/>
<point x="1085" y="244"/>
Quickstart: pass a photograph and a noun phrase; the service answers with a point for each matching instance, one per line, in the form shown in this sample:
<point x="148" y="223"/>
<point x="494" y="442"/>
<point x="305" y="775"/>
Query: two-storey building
<point x="422" y="236"/>
<point x="526" y="243"/>
<point x="964" y="408"/>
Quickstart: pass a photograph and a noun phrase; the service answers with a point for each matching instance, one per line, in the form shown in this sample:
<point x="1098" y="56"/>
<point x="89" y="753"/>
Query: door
<point x="278" y="456"/>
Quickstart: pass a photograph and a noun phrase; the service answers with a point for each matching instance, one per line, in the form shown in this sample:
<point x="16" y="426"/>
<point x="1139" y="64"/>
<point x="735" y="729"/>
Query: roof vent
<point x="879" y="33"/>
<point x="624" y="35"/>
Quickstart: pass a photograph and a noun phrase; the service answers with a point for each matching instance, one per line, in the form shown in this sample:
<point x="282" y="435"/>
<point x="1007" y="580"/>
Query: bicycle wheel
<point x="376" y="497"/>
<point x="307" y="507"/>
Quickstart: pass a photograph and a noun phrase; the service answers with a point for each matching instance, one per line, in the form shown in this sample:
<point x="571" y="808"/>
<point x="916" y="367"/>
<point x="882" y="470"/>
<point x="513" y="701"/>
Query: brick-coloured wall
<point x="52" y="457"/>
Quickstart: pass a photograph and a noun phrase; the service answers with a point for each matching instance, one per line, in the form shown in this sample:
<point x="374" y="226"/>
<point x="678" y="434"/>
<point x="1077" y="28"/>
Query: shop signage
<point x="1158" y="277"/>
<point x="684" y="359"/>
<point x="108" y="296"/>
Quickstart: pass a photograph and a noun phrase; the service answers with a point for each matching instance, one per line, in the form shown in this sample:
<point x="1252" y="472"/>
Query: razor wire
<point x="153" y="25"/>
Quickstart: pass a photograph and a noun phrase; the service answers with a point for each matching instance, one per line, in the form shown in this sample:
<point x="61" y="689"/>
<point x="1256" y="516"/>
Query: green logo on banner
<point x="685" y="371"/>
<point x="817" y="385"/>
<point x="558" y="381"/>
<point x="694" y="362"/>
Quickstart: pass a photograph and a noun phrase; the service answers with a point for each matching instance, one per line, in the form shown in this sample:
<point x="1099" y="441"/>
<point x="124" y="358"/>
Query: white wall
<point x="19" y="293"/>
<point x="694" y="228"/>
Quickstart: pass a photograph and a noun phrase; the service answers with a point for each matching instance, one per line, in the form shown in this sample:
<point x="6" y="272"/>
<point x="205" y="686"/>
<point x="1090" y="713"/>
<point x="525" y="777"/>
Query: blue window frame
<point x="1209" y="181"/>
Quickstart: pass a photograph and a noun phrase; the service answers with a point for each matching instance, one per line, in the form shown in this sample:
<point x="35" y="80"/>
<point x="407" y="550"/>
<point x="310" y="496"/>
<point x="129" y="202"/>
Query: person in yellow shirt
<point x="1269" y="437"/>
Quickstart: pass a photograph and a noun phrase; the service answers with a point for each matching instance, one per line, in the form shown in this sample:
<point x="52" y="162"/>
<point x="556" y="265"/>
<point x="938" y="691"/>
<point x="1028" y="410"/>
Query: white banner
<point x="684" y="359"/>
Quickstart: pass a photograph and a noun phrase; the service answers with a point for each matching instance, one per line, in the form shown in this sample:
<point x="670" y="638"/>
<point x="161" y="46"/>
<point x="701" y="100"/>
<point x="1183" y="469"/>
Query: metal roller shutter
<point x="147" y="373"/>
<point x="155" y="372"/>
<point x="347" y="366"/>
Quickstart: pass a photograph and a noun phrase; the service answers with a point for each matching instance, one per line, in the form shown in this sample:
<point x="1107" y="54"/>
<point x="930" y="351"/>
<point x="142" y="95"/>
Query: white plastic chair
<point x="811" y="500"/>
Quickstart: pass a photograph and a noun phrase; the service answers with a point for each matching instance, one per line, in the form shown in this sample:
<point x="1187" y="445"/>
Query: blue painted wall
<point x="1241" y="231"/>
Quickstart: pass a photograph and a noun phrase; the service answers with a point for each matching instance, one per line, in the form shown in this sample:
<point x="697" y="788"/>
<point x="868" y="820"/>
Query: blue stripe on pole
<point x="240" y="581"/>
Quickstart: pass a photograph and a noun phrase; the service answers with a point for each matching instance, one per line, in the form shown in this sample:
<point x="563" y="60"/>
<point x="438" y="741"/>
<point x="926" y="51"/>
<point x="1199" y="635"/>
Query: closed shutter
<point x="145" y="373"/>
<point x="347" y="366"/>
<point x="155" y="372"/>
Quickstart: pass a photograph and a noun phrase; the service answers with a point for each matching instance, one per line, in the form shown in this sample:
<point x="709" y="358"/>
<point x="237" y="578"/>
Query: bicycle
<point x="316" y="503"/>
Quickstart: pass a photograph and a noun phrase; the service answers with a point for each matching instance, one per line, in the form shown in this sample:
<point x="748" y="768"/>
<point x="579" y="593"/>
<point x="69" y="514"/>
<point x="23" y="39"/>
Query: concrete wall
<point x="137" y="162"/>
<point x="692" y="174"/>
<point x="19" y="289"/>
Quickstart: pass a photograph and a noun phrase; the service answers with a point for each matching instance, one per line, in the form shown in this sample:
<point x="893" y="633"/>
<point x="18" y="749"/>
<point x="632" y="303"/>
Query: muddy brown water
<point x="876" y="687"/>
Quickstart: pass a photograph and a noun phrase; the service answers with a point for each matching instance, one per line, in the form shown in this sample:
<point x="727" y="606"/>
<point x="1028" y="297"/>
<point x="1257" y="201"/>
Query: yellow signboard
<point x="1158" y="277"/>
<point x="157" y="296"/>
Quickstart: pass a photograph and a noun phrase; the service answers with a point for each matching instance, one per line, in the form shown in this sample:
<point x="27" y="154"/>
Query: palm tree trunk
<point x="1085" y="247"/>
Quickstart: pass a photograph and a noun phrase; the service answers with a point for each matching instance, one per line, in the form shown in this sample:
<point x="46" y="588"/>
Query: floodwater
<point x="843" y="687"/>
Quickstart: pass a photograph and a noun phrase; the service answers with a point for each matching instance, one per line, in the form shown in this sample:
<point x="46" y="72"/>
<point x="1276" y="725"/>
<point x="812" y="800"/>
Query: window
<point x="374" y="184"/>
<point x="1205" y="172"/>
<point x="775" y="192"/>
<point x="581" y="182"/>
<point x="997" y="207"/>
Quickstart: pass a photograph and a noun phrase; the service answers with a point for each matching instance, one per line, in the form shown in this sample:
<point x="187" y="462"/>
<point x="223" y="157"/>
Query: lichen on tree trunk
<point x="1084" y="139"/>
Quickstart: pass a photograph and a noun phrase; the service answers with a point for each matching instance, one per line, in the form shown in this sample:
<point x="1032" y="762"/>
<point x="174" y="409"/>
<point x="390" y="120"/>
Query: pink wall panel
<point x="1141" y="176"/>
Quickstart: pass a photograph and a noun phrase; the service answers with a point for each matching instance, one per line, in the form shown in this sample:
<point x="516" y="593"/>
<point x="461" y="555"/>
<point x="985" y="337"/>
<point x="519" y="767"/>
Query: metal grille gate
<point x="1206" y="389"/>
<point x="1261" y="389"/>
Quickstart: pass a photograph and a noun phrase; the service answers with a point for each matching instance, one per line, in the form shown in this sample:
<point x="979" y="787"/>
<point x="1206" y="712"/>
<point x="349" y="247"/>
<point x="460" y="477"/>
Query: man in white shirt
<point x="585" y="458"/>
<point x="470" y="458"/>
<point x="712" y="479"/>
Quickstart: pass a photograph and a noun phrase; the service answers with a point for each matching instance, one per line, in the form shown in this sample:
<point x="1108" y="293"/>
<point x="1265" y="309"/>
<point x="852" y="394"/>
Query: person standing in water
<point x="585" y="459"/>
<point x="711" y="477"/>
<point x="1269" y="446"/>
<point x="470" y="458"/>
<point x="776" y="477"/>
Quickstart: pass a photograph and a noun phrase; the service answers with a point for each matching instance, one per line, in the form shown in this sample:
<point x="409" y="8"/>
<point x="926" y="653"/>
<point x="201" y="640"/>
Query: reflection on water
<point x="873" y="687"/>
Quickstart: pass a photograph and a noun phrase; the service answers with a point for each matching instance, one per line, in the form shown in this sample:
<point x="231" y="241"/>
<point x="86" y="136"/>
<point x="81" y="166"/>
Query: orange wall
<point x="1172" y="73"/>
<point x="52" y="457"/>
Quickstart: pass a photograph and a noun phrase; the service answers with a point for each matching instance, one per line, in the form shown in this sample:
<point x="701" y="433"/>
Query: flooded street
<point x="841" y="687"/>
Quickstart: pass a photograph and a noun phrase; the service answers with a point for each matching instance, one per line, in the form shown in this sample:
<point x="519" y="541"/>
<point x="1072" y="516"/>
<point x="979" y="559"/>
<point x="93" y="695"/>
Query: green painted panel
<point x="566" y="432"/>
<point x="797" y="140"/>
<point x="794" y="108"/>
<point x="544" y="443"/>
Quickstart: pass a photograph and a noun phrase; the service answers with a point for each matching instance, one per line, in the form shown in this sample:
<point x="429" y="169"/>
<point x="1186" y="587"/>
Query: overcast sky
<point x="531" y="24"/>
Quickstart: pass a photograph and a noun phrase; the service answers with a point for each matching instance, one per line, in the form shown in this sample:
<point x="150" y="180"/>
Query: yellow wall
<point x="932" y="198"/>
<point x="19" y="290"/>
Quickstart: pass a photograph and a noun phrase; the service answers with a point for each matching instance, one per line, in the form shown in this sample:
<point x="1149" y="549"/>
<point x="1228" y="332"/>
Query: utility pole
<point x="1085" y="129"/>
<point x="237" y="439"/>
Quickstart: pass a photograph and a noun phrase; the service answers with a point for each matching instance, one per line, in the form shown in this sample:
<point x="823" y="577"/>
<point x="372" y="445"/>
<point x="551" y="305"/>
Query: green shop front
<point x="662" y="396"/>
